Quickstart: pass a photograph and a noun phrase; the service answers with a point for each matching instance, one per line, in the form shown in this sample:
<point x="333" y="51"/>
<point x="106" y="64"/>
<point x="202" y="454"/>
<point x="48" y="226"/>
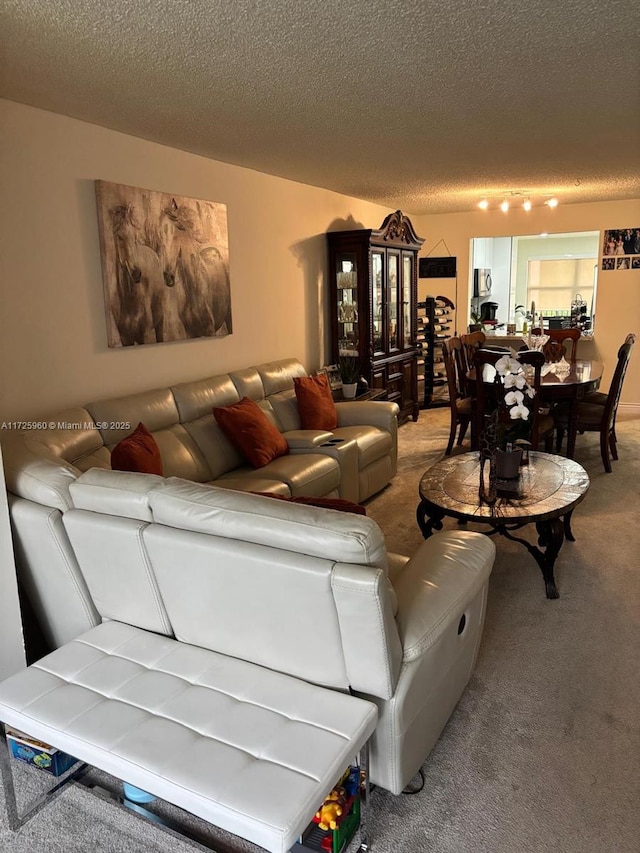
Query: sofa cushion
<point x="137" y="452"/>
<point x="249" y="429"/>
<point x="315" y="403"/>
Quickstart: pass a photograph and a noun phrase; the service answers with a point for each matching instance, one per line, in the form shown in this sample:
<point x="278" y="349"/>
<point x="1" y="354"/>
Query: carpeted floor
<point x="543" y="751"/>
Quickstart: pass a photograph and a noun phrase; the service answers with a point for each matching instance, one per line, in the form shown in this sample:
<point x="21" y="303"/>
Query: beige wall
<point x="618" y="299"/>
<point x="53" y="350"/>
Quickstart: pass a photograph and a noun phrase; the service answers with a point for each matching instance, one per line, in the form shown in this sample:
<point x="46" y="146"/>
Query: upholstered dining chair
<point x="459" y="402"/>
<point x="597" y="413"/>
<point x="562" y="342"/>
<point x="542" y="422"/>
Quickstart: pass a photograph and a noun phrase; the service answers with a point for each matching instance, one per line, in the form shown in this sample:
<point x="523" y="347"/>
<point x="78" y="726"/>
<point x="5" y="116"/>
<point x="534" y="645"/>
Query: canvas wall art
<point x="165" y="266"/>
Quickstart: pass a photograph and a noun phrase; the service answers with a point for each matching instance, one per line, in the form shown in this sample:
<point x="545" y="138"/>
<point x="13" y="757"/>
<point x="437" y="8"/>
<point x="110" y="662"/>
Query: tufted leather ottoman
<point x="247" y="749"/>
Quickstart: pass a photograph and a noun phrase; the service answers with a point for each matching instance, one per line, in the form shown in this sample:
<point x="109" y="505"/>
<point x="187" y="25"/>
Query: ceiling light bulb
<point x="552" y="202"/>
<point x="504" y="207"/>
<point x="527" y="204"/>
<point x="484" y="204"/>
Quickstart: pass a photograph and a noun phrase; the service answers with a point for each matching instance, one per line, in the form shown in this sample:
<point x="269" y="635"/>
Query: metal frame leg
<point x="16" y="819"/>
<point x="365" y="792"/>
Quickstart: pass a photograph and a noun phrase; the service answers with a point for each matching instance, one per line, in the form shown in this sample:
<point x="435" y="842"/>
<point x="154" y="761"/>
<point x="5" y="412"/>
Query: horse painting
<point x="198" y="272"/>
<point x="164" y="264"/>
<point x="137" y="301"/>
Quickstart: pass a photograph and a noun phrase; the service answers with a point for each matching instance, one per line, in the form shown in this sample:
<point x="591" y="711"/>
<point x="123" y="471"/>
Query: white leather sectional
<point x="353" y="461"/>
<point x="307" y="592"/>
<point x="275" y="601"/>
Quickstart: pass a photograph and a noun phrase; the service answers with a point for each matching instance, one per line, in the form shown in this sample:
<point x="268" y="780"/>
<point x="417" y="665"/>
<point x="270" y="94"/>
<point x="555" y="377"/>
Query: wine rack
<point x="434" y="318"/>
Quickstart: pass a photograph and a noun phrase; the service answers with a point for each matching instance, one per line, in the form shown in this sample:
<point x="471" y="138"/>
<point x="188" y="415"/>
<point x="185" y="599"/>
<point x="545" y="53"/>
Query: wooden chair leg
<point x="548" y="443"/>
<point x="604" y="451"/>
<point x="559" y="439"/>
<point x="613" y="446"/>
<point x="452" y="436"/>
<point x="464" y="425"/>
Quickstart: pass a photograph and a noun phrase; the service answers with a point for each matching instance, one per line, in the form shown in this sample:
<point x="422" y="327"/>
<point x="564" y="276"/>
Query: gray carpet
<point x="543" y="751"/>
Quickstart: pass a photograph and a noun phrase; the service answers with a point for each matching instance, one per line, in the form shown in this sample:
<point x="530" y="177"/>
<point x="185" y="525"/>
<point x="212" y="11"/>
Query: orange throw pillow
<point x="251" y="432"/>
<point x="341" y="504"/>
<point x="137" y="452"/>
<point x="315" y="403"/>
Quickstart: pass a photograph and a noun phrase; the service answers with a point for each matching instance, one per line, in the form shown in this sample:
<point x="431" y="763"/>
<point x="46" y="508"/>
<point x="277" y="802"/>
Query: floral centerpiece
<point x="507" y="426"/>
<point x="512" y="413"/>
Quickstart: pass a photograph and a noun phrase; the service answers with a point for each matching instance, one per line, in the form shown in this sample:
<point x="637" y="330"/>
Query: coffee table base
<point x="551" y="535"/>
<point x="545" y="494"/>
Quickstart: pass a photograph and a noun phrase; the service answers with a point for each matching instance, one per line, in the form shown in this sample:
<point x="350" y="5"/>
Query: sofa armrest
<point x="372" y="413"/>
<point x="306" y="439"/>
<point x="446" y="571"/>
<point x="345" y="452"/>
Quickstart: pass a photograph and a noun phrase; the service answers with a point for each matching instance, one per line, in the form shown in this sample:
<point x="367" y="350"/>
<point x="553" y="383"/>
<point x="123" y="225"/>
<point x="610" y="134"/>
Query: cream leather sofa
<point x="353" y="461"/>
<point x="307" y="592"/>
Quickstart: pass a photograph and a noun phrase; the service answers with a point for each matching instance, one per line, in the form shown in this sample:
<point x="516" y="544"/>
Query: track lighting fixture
<point x="528" y="201"/>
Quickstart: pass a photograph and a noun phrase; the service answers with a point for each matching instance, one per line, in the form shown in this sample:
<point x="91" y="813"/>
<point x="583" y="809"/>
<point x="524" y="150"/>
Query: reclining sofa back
<point x="304" y="592"/>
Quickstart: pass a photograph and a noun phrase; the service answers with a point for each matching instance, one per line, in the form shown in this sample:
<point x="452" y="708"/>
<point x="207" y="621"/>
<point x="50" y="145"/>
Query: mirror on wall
<point x="557" y="272"/>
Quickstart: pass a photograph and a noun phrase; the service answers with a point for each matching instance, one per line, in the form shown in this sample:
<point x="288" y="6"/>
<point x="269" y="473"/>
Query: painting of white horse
<point x="165" y="266"/>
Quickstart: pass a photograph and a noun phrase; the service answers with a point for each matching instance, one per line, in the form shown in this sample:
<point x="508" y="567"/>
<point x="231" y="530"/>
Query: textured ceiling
<point x="424" y="106"/>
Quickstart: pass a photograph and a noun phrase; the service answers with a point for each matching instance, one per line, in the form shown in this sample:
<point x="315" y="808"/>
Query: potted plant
<point x="349" y="373"/>
<point x="476" y="324"/>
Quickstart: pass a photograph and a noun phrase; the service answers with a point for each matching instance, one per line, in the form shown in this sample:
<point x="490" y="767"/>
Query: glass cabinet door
<point x="347" y="305"/>
<point x="407" y="279"/>
<point x="377" y="300"/>
<point x="392" y="300"/>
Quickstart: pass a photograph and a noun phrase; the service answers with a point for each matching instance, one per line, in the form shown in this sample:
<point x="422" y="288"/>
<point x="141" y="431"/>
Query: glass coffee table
<point x="545" y="494"/>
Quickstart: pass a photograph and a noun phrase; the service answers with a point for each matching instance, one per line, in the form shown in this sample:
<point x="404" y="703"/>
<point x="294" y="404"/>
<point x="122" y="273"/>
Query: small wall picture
<point x="619" y="246"/>
<point x="165" y="266"/>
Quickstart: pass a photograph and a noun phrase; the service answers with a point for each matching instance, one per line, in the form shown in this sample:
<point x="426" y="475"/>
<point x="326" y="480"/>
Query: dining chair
<point x="460" y="403"/>
<point x="595" y="416"/>
<point x="470" y="344"/>
<point x="562" y="342"/>
<point x="489" y="394"/>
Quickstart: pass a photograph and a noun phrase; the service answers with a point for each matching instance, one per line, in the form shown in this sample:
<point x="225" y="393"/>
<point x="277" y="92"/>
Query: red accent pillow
<point x="341" y="504"/>
<point x="315" y="402"/>
<point x="137" y="452"/>
<point x="251" y="432"/>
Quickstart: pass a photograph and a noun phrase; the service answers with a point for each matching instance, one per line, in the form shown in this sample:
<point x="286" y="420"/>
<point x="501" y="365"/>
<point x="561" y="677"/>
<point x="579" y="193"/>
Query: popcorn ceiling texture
<point x="417" y="105"/>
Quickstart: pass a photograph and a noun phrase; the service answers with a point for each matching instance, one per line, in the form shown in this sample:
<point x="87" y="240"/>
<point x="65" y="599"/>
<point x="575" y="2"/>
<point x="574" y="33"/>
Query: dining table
<point x="562" y="382"/>
<point x="570" y="382"/>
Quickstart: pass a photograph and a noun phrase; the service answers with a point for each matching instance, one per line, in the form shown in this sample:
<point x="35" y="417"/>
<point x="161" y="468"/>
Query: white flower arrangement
<point x="515" y="382"/>
<point x="514" y="379"/>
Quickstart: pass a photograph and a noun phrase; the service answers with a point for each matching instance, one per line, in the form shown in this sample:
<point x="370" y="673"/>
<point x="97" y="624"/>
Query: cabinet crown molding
<point x="397" y="228"/>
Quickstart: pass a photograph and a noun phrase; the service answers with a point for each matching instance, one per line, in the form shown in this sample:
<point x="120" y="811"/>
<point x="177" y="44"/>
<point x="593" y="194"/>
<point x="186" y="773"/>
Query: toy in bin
<point x="39" y="754"/>
<point x="337" y="819"/>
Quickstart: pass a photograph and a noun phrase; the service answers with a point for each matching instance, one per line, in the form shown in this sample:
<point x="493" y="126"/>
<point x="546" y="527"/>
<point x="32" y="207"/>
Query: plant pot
<point x="349" y="390"/>
<point x="508" y="464"/>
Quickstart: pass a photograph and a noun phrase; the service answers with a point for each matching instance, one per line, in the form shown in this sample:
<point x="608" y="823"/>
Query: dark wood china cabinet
<point x="373" y="283"/>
